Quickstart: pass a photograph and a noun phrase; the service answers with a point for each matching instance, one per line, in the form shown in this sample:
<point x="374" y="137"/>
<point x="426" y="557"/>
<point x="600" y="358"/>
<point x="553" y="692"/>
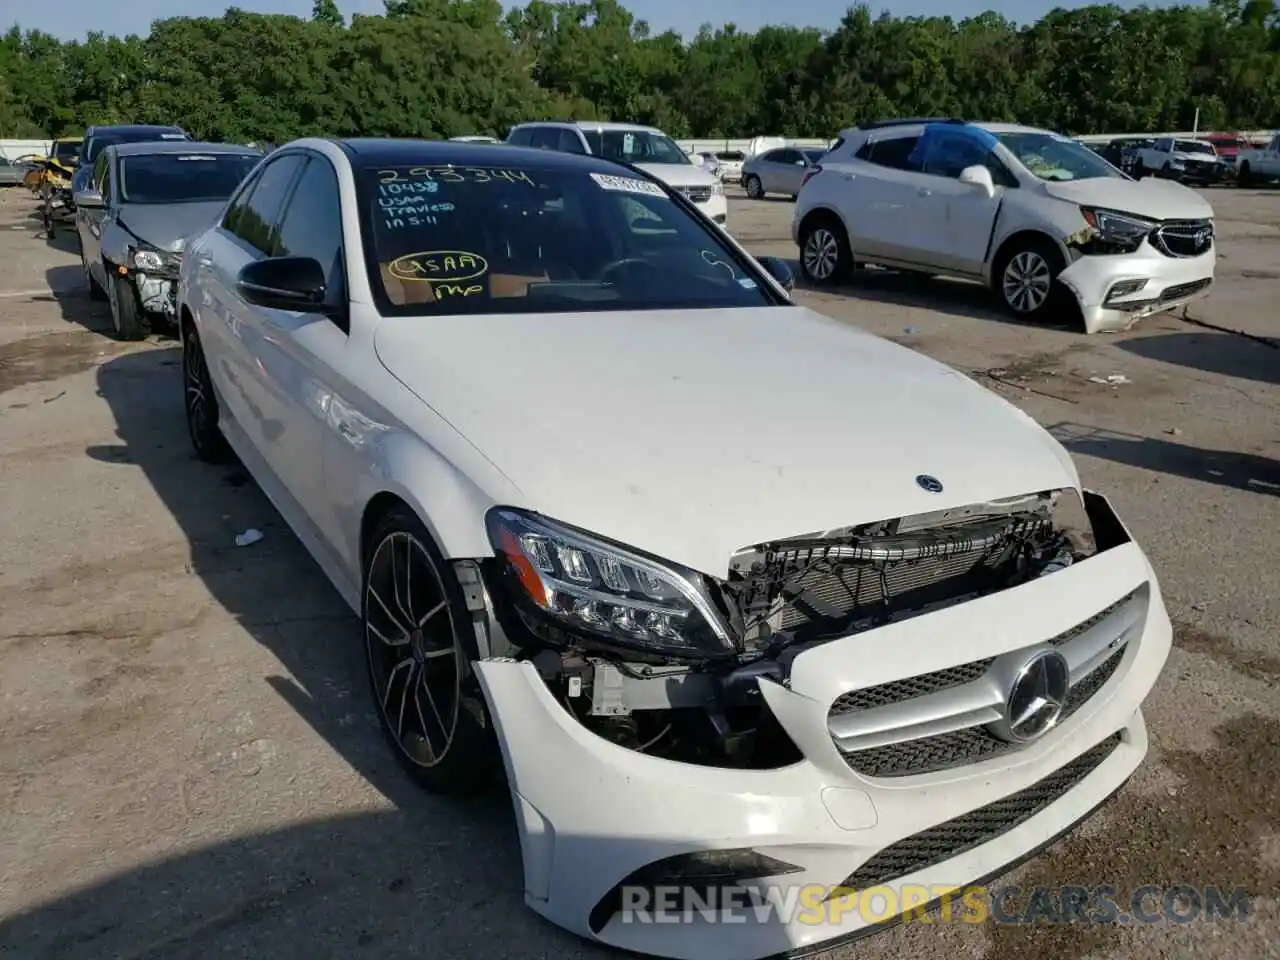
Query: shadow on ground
<point x="1222" y="353"/>
<point x="431" y="875"/>
<point x="1227" y="468"/>
<point x="960" y="298"/>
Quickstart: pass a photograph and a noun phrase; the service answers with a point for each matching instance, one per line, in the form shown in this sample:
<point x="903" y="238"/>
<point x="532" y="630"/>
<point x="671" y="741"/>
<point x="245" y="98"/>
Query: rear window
<point x="103" y="140"/>
<point x="183" y="178"/>
<point x="635" y="146"/>
<point x="451" y="239"/>
<point x="731" y="156"/>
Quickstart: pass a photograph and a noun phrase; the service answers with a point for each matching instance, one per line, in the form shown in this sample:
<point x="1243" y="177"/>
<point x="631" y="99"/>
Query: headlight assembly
<point x="1119" y="229"/>
<point x="148" y="260"/>
<point x="601" y="588"/>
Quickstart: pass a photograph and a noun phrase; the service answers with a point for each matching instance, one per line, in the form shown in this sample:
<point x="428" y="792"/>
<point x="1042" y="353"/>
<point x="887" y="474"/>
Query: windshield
<point x="65" y="150"/>
<point x="1192" y="146"/>
<point x="731" y="156"/>
<point x="472" y="240"/>
<point x="103" y="140"/>
<point x="182" y="177"/>
<point x="1051" y="157"/>
<point x="635" y="146"/>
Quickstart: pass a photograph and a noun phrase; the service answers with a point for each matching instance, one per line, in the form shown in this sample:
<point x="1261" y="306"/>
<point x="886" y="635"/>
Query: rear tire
<point x="420" y="654"/>
<point x="1025" y="278"/>
<point x="826" y="258"/>
<point x="199" y="401"/>
<point x="1244" y="176"/>
<point x="755" y="190"/>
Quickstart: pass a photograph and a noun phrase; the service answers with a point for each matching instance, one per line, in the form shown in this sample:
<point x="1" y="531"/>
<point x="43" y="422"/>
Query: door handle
<point x="925" y="192"/>
<point x="347" y="430"/>
<point x="851" y="176"/>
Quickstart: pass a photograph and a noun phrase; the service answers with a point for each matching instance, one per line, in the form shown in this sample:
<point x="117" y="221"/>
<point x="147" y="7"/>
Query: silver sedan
<point x="782" y="170"/>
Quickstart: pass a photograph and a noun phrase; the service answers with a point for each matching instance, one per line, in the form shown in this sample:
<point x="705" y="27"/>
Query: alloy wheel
<point x="195" y="376"/>
<point x="821" y="254"/>
<point x="414" y="656"/>
<point x="1026" y="282"/>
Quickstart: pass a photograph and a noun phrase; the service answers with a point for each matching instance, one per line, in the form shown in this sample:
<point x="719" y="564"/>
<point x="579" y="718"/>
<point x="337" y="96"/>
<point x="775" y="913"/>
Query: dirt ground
<point x="190" y="766"/>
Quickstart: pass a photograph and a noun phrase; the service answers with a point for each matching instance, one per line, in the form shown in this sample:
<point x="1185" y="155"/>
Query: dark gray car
<point x="141" y="202"/>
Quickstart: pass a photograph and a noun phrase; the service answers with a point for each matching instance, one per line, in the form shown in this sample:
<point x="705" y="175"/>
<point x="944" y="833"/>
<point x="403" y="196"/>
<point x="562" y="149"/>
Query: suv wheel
<point x="825" y="257"/>
<point x="1026" y="276"/>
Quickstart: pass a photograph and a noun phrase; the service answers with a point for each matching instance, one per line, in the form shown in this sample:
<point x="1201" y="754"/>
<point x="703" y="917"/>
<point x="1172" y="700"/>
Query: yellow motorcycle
<point x="51" y="181"/>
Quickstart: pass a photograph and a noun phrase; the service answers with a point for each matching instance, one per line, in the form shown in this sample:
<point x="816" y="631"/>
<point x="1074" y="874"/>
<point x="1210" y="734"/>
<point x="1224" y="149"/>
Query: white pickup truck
<point x="1259" y="163"/>
<point x="1187" y="161"/>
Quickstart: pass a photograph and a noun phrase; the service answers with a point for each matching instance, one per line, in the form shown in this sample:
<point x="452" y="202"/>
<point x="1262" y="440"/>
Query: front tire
<point x="200" y="402"/>
<point x="755" y="190"/>
<point x="420" y="656"/>
<point x="1244" y="176"/>
<point x="1025" y="278"/>
<point x="825" y="256"/>
<point x="127" y="317"/>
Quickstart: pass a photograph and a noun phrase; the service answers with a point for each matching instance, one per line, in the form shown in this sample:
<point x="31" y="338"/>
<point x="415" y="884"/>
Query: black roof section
<point x="133" y="128"/>
<point x="375" y="152"/>
<point x="906" y="122"/>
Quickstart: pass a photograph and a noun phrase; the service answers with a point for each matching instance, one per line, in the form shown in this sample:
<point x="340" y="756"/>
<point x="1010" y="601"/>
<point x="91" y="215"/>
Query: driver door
<point x="953" y="221"/>
<point x="90" y="220"/>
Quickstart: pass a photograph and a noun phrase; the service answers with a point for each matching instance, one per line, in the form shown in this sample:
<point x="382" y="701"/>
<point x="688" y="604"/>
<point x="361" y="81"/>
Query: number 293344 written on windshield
<point x="408" y="178"/>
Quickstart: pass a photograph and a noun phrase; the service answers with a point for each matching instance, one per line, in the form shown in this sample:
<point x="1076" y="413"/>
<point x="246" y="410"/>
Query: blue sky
<point x="72" y="19"/>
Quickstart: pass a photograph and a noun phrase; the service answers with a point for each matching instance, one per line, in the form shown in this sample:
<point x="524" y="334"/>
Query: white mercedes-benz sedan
<point x="760" y="614"/>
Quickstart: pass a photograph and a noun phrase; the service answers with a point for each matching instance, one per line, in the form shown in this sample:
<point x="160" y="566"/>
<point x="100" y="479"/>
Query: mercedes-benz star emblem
<point x="929" y="484"/>
<point x="1036" y="698"/>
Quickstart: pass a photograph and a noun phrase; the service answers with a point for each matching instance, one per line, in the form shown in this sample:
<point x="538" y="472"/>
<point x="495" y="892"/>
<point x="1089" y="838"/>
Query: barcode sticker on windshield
<point x="627" y="185"/>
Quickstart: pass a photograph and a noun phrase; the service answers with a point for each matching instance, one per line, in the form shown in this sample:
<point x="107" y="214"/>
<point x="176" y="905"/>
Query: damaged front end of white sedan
<point x="710" y="767"/>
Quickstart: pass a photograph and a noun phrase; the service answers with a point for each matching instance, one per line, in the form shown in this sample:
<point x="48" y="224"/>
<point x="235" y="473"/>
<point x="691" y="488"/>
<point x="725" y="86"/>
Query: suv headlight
<point x="1122" y="229"/>
<point x="144" y="259"/>
<point x="594" y="586"/>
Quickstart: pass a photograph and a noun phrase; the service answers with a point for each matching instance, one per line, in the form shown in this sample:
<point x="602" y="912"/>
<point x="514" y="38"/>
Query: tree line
<point x="440" y="68"/>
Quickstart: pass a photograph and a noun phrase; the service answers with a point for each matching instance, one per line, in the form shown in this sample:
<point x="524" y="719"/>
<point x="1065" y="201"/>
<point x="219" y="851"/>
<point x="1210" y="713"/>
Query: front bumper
<point x="590" y="812"/>
<point x="1170" y="282"/>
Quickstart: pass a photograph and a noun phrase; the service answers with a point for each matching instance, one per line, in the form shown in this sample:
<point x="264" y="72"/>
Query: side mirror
<point x="979" y="177"/>
<point x="89" y="199"/>
<point x="284" y="283"/>
<point x="780" y="270"/>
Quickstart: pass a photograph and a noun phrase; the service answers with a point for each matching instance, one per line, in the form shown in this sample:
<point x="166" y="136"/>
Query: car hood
<point x="1148" y="197"/>
<point x="679" y="174"/>
<point x="693" y="434"/>
<point x="167" y="225"/>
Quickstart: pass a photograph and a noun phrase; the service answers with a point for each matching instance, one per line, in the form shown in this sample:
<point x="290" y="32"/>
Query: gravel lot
<point x="190" y="766"/>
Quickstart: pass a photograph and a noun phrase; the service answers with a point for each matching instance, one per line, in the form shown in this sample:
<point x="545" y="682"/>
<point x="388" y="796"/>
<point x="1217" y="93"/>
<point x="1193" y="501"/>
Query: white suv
<point x="645" y="147"/>
<point x="1026" y="211"/>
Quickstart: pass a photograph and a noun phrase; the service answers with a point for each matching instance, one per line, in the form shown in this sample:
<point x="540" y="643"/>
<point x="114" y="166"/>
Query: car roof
<point x="370" y="152"/>
<point x="906" y="128"/>
<point x="147" y="147"/>
<point x="601" y="125"/>
<point x="133" y="128"/>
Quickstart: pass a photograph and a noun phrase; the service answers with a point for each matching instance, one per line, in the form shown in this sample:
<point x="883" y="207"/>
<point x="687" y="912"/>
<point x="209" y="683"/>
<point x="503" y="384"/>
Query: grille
<point x="969" y="830"/>
<point x="1178" y="291"/>
<point x="1183" y="238"/>
<point x="697" y="194"/>
<point x="970" y="745"/>
<point x="1202" y="168"/>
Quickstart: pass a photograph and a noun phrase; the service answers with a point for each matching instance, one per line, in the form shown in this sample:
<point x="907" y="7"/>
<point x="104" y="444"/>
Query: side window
<point x="100" y="172"/>
<point x="235" y="211"/>
<point x="258" y="218"/>
<point x="1164" y="146"/>
<point x="946" y="154"/>
<point x="570" y="141"/>
<point x="789" y="157"/>
<point x="312" y="225"/>
<point x="520" y="138"/>
<point x="895" y="153"/>
<point x="105" y="187"/>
